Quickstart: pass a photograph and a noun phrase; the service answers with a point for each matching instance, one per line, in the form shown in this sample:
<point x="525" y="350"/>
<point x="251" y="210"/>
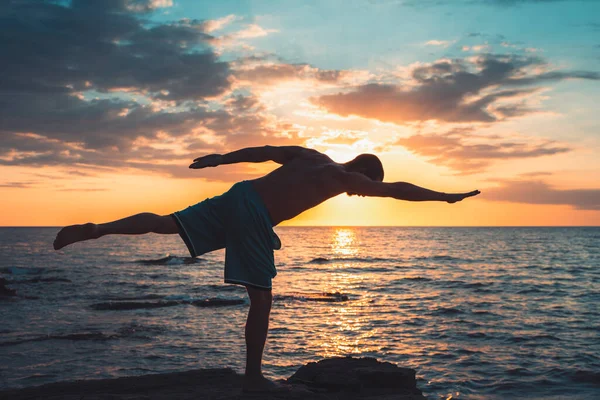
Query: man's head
<point x="368" y="165"/>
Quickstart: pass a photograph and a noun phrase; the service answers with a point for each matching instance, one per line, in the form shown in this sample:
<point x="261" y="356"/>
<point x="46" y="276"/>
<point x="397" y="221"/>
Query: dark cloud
<point x="50" y="48"/>
<point x="52" y="52"/>
<point x="244" y="103"/>
<point x="452" y="91"/>
<point x="97" y="86"/>
<point x="454" y="150"/>
<point x="539" y="192"/>
<point x="239" y="126"/>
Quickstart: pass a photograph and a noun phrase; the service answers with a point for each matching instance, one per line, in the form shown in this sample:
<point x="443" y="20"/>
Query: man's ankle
<point x="253" y="375"/>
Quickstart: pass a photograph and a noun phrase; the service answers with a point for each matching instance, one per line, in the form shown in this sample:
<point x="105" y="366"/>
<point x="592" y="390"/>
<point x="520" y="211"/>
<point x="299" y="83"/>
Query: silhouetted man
<point x="242" y="220"/>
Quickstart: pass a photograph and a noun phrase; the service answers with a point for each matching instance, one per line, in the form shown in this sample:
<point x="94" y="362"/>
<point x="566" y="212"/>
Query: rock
<point x="362" y="376"/>
<point x="329" y="379"/>
<point x="4" y="291"/>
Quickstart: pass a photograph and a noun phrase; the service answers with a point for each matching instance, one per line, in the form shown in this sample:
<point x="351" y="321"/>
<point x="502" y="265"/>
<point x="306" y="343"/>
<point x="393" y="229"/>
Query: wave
<point x="520" y="371"/>
<point x="224" y="288"/>
<point x="137" y="330"/>
<point x="446" y="311"/>
<point x="217" y="302"/>
<point x="71" y="336"/>
<point x="531" y="290"/>
<point x="466" y="285"/>
<point x="132" y="298"/>
<point x="335" y="297"/>
<point x="587" y="377"/>
<point x="170" y="260"/>
<point x="445" y="258"/>
<point x="477" y="335"/>
<point x="129" y="331"/>
<point x="21" y="270"/>
<point x="415" y="279"/>
<point x="138" y="305"/>
<point x="132" y="305"/>
<point x="452" y="284"/>
<point x="525" y="338"/>
<point x="325" y="260"/>
<point x="37" y="376"/>
<point x="468" y="352"/>
<point x="38" y="280"/>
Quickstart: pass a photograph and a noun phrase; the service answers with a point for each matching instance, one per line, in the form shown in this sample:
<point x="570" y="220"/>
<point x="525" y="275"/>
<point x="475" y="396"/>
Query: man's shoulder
<point x="308" y="152"/>
<point x="312" y="156"/>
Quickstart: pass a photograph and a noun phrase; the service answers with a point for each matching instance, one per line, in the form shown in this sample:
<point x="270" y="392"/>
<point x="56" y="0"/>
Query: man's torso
<point x="299" y="185"/>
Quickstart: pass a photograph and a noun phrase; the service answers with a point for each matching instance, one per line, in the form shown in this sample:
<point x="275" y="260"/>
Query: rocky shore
<point x="329" y="379"/>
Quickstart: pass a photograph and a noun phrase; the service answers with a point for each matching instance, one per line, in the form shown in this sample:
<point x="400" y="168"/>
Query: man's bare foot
<point x="261" y="385"/>
<point x="75" y="233"/>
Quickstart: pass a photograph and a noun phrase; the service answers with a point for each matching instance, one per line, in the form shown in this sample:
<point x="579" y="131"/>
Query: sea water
<point x="478" y="312"/>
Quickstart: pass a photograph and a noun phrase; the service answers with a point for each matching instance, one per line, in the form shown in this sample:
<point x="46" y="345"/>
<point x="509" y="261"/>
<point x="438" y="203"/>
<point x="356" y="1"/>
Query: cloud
<point x="142" y="139"/>
<point x="272" y="73"/>
<point x="147" y="5"/>
<point x="539" y="192"/>
<point x="240" y="37"/>
<point x="477" y="48"/>
<point x="19" y="185"/>
<point x="338" y="137"/>
<point x="251" y="31"/>
<point x="474" y="89"/>
<point x="441" y="43"/>
<point x="218" y="24"/>
<point x="463" y="152"/>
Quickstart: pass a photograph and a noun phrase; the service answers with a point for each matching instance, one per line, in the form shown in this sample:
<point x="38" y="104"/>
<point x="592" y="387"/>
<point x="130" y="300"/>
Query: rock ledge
<point x="329" y="379"/>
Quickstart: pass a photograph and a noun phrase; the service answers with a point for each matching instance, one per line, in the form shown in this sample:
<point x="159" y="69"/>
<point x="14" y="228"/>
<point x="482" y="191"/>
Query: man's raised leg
<point x="257" y="327"/>
<point x="135" y="225"/>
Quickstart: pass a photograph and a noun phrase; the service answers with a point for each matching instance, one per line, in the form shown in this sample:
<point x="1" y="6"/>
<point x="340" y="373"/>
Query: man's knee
<point x="260" y="298"/>
<point x="166" y="224"/>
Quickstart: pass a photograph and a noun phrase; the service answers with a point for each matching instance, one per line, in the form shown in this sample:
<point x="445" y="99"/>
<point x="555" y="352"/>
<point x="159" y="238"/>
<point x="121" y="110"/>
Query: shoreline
<point x="327" y="379"/>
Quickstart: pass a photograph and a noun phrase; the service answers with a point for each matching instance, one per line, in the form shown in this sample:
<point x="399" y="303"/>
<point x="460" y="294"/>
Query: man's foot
<point x="75" y="233"/>
<point x="262" y="385"/>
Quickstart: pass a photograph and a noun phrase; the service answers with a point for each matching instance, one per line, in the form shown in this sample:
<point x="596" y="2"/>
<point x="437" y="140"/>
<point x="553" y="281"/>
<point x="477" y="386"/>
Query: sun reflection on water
<point x="348" y="320"/>
<point x="343" y="242"/>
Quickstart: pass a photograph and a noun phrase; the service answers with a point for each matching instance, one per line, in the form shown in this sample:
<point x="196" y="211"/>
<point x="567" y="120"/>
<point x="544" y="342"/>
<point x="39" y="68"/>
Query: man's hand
<point x="211" y="160"/>
<point x="454" y="197"/>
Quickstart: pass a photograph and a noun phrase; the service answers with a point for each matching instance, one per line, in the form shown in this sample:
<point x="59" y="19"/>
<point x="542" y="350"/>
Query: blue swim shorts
<point x="239" y="222"/>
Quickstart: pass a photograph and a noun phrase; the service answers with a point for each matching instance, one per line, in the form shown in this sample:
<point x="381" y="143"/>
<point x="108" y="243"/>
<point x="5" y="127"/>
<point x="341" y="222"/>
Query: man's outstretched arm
<point x="361" y="185"/>
<point x="280" y="155"/>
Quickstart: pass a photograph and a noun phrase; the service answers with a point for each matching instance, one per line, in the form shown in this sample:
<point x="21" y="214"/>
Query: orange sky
<point x="97" y="139"/>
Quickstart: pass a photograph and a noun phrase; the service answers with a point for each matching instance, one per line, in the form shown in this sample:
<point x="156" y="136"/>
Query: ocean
<point x="478" y="312"/>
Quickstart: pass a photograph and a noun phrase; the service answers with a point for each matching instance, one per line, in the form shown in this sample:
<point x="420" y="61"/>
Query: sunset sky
<point x="103" y="104"/>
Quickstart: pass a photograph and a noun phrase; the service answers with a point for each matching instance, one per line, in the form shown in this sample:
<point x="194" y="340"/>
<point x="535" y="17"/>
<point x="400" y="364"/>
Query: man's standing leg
<point x="257" y="327"/>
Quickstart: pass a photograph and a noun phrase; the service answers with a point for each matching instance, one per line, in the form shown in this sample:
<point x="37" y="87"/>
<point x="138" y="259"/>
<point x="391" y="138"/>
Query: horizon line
<point x="369" y="226"/>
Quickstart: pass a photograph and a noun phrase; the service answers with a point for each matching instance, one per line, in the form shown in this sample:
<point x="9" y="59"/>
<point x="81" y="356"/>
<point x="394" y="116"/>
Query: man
<point x="242" y="220"/>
